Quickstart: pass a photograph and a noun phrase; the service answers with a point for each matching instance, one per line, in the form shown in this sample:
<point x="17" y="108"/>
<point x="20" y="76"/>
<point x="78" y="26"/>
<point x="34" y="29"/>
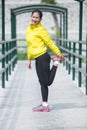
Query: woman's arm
<point x="47" y="40"/>
<point x="29" y="64"/>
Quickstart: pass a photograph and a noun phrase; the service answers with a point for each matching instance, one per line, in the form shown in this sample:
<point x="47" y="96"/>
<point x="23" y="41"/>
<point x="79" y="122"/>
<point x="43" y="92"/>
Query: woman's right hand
<point x="61" y="57"/>
<point x="29" y="64"/>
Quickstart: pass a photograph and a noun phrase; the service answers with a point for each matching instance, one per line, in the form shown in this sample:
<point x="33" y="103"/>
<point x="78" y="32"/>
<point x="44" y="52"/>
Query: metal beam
<point x="80" y="38"/>
<point x="44" y="8"/>
<point x="3" y="19"/>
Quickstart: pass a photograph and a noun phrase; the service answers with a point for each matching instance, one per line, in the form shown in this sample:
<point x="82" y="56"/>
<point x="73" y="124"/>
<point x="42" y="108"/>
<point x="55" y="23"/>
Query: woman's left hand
<point x="29" y="64"/>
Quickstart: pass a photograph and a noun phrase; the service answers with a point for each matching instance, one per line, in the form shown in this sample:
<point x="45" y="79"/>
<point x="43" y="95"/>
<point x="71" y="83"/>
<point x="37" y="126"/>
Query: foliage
<point x="49" y="1"/>
<point x="22" y="56"/>
<point x="58" y="33"/>
<point x="56" y="29"/>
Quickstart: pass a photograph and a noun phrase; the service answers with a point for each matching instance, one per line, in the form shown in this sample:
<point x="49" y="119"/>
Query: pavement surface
<point x="67" y="102"/>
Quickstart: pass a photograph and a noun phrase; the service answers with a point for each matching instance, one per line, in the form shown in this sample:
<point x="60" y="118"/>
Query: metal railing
<point x="76" y="62"/>
<point x="8" y="59"/>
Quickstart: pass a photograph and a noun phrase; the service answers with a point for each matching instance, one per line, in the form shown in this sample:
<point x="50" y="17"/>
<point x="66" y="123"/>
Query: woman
<point x="38" y="39"/>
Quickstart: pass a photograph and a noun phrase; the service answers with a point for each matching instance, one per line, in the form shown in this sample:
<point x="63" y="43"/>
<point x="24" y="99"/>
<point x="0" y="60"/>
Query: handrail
<point x="8" y="59"/>
<point x="76" y="59"/>
<point x="74" y="41"/>
<point x="73" y="62"/>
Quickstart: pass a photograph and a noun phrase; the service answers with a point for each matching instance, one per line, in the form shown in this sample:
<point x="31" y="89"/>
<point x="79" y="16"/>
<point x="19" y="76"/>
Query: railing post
<point x="80" y="66"/>
<point x="12" y="44"/>
<point x="7" y="61"/>
<point x="86" y="61"/>
<point x="9" y="57"/>
<point x="66" y="60"/>
<point x="13" y="35"/>
<point x="69" y="66"/>
<point x="3" y="44"/>
<point x="16" y="52"/>
<point x="80" y="39"/>
<point x="73" y="69"/>
<point x="3" y="65"/>
<point x="60" y="26"/>
<point x="3" y="20"/>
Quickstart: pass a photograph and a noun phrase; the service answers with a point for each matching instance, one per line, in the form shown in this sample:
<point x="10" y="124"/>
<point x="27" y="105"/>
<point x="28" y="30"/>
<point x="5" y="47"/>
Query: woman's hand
<point x="61" y="57"/>
<point x="29" y="64"/>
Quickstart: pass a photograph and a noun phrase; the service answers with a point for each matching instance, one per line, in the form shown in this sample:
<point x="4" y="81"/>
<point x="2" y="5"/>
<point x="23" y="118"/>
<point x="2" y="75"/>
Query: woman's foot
<point x="41" y="108"/>
<point x="55" y="60"/>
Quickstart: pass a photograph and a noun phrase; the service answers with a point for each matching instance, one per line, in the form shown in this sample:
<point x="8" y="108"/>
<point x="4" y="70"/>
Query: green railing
<point x="8" y="59"/>
<point x="76" y="62"/>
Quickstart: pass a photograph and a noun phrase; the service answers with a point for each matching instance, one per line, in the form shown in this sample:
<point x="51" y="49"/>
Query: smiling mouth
<point x="35" y="22"/>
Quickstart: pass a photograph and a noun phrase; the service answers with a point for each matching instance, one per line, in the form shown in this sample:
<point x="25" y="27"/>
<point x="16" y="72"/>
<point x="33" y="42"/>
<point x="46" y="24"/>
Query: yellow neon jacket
<point x="38" y="39"/>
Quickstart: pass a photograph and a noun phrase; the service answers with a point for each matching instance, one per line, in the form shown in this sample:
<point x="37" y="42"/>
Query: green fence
<point x="8" y="59"/>
<point x="76" y="62"/>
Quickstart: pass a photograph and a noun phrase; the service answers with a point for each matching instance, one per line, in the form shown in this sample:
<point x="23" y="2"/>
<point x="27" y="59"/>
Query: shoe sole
<point x="41" y="110"/>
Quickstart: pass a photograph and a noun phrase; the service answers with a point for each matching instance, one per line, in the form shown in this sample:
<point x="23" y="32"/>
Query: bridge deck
<point x="68" y="104"/>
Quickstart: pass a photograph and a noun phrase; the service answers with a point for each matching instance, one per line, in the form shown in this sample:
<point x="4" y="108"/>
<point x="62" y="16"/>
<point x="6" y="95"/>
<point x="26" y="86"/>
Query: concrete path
<point x="68" y="104"/>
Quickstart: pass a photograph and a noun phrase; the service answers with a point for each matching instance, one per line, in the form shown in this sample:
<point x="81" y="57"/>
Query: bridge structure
<point x="74" y="68"/>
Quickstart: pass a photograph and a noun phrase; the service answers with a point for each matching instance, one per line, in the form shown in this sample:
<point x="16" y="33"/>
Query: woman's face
<point x="35" y="18"/>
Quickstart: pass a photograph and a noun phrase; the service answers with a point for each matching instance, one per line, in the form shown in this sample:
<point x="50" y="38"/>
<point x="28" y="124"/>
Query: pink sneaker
<point x="55" y="60"/>
<point x="41" y="108"/>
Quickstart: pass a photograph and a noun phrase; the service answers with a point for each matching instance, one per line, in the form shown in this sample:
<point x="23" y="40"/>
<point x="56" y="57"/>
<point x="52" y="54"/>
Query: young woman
<point x="38" y="39"/>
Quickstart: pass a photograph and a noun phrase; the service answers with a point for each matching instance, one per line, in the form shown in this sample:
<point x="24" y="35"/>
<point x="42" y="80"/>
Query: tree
<point x="49" y="1"/>
<point x="53" y="14"/>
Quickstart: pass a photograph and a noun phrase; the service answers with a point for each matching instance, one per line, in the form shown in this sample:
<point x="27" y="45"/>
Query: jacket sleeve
<point x="28" y="53"/>
<point x="27" y="35"/>
<point x="47" y="40"/>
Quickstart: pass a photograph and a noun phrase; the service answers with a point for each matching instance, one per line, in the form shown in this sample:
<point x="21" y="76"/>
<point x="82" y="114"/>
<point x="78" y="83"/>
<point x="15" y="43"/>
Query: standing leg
<point x="43" y="70"/>
<point x="45" y="76"/>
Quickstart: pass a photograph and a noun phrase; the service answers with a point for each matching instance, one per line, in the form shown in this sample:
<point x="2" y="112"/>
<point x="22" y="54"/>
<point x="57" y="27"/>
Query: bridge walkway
<point x="67" y="102"/>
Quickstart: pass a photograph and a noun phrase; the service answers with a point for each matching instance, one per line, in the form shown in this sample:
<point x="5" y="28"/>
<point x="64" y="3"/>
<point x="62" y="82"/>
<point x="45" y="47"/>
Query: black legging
<point x="45" y="74"/>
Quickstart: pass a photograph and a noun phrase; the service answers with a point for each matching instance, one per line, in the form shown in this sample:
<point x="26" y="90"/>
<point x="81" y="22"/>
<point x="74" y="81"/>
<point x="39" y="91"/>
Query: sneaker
<point x="41" y="108"/>
<point x="55" y="60"/>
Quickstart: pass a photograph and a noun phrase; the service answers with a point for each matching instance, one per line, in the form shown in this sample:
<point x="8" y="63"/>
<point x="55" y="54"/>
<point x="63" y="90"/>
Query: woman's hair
<point x="38" y="11"/>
